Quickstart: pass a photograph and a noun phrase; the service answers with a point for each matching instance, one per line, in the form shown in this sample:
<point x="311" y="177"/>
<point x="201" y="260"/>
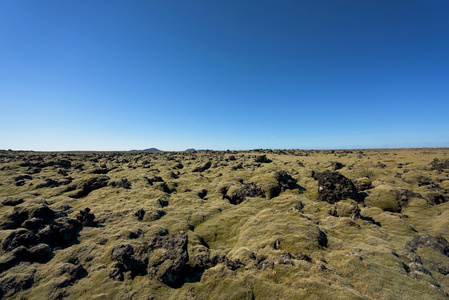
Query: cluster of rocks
<point x="438" y="165"/>
<point x="416" y="267"/>
<point x="122" y="183"/>
<point x="403" y="196"/>
<point x="160" y="184"/>
<point x="161" y="257"/>
<point x="38" y="230"/>
<point x="165" y="258"/>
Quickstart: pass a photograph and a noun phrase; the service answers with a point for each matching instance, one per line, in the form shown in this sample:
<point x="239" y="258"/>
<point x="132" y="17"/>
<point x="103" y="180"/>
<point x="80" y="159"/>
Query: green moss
<point x="381" y="197"/>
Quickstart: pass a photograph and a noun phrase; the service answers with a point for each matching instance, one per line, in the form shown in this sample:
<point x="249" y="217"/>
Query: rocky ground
<point x="346" y="224"/>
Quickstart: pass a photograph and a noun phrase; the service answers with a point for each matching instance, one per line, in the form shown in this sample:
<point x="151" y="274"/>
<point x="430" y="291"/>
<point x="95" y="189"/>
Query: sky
<point x="229" y="74"/>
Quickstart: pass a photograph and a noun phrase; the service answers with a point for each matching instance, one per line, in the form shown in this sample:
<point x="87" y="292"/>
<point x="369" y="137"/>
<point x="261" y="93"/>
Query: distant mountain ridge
<point x="157" y="150"/>
<point x="149" y="149"/>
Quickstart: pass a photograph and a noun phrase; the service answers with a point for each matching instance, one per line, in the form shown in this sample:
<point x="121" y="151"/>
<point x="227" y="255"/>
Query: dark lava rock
<point x="23" y="177"/>
<point x="286" y="259"/>
<point x="33" y="223"/>
<point x="74" y="272"/>
<point x="299" y="206"/>
<point x="322" y="238"/>
<point x="117" y="272"/>
<point x="20" y="183"/>
<point x="13" y="283"/>
<point x="333" y="187"/>
<point x="263" y="264"/>
<point x="91" y="185"/>
<point x="436" y="198"/>
<point x="124" y="255"/>
<point x="100" y="171"/>
<point x="62" y="172"/>
<point x="333" y="211"/>
<point x="140" y="214"/>
<point x="224" y="191"/>
<point x="162" y="203"/>
<point x="304" y="257"/>
<point x="39" y="252"/>
<point x="201" y="262"/>
<point x="439" y="243"/>
<point x="285" y="180"/>
<point x="262" y="159"/>
<point x="233" y="264"/>
<point x="438" y="165"/>
<point x="20" y="253"/>
<point x="123" y="183"/>
<point x="203" y="167"/>
<point x="381" y="165"/>
<point x="443" y="269"/>
<point x="248" y="190"/>
<point x="21" y="237"/>
<point x="53" y="183"/>
<point x="403" y="196"/>
<point x="337" y="165"/>
<point x="154" y="179"/>
<point x="21" y="214"/>
<point x="202" y="193"/>
<point x="161" y="257"/>
<point x="43" y="212"/>
<point x="86" y="218"/>
<point x="60" y="232"/>
<point x="171" y="257"/>
<point x="12" y="201"/>
<point x="164" y="187"/>
<point x="173" y="175"/>
<point x="178" y="166"/>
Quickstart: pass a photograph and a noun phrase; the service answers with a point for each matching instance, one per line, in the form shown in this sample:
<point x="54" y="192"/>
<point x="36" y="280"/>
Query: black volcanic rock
<point x="285" y="180"/>
<point x="333" y="187"/>
<point x="161" y="257"/>
<point x="203" y="167"/>
<point x="249" y="190"/>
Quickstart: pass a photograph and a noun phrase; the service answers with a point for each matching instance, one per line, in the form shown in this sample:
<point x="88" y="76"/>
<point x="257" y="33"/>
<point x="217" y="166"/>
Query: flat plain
<point x="260" y="224"/>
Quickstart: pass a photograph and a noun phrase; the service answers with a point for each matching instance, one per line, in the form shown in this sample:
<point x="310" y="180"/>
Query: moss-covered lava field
<point x="261" y="224"/>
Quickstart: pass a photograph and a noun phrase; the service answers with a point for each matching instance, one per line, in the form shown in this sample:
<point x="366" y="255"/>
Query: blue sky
<point x="121" y="75"/>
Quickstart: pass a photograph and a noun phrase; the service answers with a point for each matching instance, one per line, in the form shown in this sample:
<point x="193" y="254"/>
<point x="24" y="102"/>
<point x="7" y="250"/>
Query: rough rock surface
<point x="285" y="180"/>
<point x="161" y="257"/>
<point x="86" y="217"/>
<point x="438" y="165"/>
<point x="248" y="190"/>
<point x="333" y="187"/>
<point x="91" y="185"/>
<point x="438" y="243"/>
<point x="262" y="159"/>
<point x="203" y="167"/>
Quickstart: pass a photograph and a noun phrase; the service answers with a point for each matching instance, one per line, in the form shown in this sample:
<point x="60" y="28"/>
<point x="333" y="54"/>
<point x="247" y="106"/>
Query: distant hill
<point x="194" y="150"/>
<point x="149" y="149"/>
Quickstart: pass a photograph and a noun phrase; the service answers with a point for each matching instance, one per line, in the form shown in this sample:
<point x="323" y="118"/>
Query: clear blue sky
<point x="228" y="74"/>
